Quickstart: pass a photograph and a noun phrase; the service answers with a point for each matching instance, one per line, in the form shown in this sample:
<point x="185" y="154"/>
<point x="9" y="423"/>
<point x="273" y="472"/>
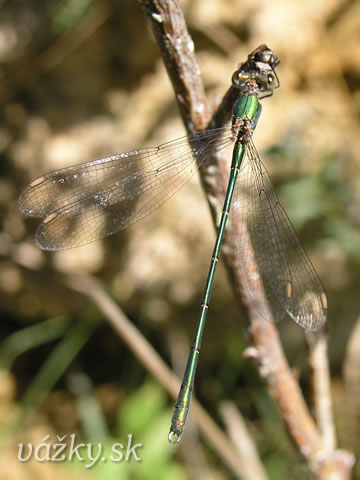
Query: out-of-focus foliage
<point x="83" y="80"/>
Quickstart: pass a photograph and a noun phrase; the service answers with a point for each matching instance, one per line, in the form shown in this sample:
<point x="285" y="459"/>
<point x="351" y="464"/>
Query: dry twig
<point x="148" y="356"/>
<point x="178" y="54"/>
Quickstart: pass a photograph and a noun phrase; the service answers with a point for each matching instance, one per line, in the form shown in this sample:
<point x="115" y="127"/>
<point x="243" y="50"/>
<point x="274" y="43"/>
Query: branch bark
<point x="177" y="49"/>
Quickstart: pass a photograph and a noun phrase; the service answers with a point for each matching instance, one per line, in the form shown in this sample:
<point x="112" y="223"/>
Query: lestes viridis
<point x="83" y="203"/>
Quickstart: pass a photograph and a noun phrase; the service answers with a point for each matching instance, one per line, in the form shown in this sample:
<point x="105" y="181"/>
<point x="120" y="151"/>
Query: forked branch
<point x="177" y="50"/>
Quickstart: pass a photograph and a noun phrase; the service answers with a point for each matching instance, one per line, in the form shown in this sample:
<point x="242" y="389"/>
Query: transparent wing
<point x="287" y="276"/>
<point x="86" y="202"/>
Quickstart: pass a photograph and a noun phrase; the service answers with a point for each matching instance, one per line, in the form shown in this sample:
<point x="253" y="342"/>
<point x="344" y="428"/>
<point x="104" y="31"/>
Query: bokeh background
<point x="82" y="79"/>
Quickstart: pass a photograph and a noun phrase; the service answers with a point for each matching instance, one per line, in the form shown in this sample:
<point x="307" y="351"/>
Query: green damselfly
<point x="86" y="202"/>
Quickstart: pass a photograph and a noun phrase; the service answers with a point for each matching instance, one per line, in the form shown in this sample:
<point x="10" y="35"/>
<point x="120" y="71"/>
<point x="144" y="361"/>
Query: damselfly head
<point x="260" y="66"/>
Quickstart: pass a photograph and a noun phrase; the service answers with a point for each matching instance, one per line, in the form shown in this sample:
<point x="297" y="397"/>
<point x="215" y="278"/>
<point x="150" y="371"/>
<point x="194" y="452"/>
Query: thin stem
<point x="147" y="355"/>
<point x="320" y="375"/>
<point x="238" y="432"/>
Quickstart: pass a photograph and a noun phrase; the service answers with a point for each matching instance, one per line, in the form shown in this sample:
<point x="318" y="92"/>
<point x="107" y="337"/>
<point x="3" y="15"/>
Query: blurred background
<point x="81" y="80"/>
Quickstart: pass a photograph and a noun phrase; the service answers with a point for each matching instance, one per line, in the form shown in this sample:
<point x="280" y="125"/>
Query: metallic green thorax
<point x="247" y="107"/>
<point x="246" y="114"/>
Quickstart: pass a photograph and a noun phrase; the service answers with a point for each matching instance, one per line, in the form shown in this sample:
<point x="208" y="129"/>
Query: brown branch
<point x="177" y="50"/>
<point x="176" y="47"/>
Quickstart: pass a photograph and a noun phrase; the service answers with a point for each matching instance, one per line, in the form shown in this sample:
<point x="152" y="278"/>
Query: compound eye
<point x="235" y="80"/>
<point x="266" y="57"/>
<point x="239" y="78"/>
<point x="270" y="78"/>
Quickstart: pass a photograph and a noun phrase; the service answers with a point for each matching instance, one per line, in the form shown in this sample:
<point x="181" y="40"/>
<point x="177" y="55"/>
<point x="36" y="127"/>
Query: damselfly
<point x="87" y="202"/>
